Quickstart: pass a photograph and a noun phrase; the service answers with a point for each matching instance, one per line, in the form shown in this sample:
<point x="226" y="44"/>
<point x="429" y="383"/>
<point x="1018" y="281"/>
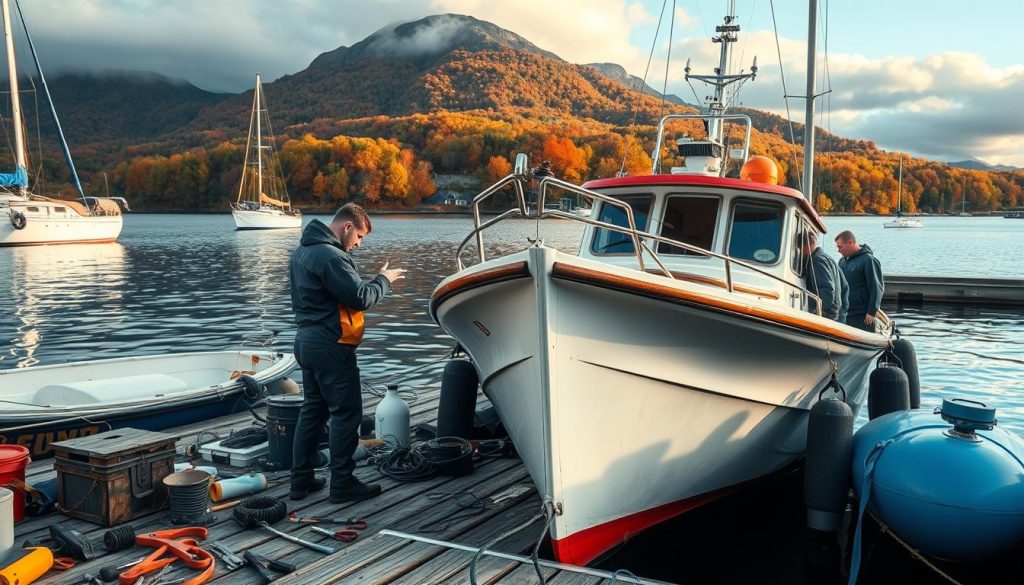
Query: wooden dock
<point x="426" y="508"/>
<point x="941" y="289"/>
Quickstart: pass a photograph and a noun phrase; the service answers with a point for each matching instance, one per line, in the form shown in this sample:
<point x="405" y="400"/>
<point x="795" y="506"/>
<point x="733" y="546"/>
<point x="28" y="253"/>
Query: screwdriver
<point x="110" y="574"/>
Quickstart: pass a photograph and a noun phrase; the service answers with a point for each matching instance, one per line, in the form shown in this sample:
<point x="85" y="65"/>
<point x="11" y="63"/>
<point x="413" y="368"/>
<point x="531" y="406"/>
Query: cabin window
<point x="799" y="260"/>
<point x="58" y="210"/>
<point x="33" y="209"/>
<point x="756" y="232"/>
<point x="610" y="242"/>
<point x="690" y="220"/>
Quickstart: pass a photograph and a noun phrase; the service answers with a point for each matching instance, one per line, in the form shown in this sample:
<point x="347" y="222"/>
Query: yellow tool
<point x="26" y="566"/>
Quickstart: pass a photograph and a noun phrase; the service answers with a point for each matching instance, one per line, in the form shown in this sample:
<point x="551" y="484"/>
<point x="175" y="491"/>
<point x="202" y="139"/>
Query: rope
<point x="913" y="551"/>
<point x="642" y="85"/>
<point x="255" y="509"/>
<point x="785" y="94"/>
<point x="480" y="551"/>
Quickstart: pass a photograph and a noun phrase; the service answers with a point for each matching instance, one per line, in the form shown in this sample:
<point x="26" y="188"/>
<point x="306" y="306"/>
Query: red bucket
<point x="13" y="461"/>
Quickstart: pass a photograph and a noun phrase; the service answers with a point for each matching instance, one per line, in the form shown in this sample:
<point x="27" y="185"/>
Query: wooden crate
<point x="113" y="477"/>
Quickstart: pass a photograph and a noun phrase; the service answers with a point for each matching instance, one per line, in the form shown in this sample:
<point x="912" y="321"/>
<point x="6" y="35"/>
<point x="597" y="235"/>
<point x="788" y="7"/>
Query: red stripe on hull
<point x="586" y="545"/>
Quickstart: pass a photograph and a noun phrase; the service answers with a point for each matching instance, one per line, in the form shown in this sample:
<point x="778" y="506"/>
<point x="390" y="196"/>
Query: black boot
<point x="299" y="492"/>
<point x="353" y="490"/>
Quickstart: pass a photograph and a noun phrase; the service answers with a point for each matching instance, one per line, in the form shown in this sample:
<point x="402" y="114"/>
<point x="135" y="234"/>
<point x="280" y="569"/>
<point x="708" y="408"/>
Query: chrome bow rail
<point x="521" y="178"/>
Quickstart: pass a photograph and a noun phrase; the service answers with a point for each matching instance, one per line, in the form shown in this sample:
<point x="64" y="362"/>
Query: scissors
<point x="346" y="534"/>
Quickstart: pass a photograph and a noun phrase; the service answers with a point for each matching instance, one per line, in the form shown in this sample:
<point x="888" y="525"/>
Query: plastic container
<point x="392" y="419"/>
<point x="6" y="522"/>
<point x="234" y="487"/>
<point x="282" y="416"/>
<point x="13" y="461"/>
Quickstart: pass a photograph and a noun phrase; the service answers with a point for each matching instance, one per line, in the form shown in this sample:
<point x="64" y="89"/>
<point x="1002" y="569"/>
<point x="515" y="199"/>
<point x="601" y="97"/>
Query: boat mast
<point x="899" y="189"/>
<point x="812" y="19"/>
<point x="53" y="110"/>
<point x="259" y="144"/>
<point x="12" y="71"/>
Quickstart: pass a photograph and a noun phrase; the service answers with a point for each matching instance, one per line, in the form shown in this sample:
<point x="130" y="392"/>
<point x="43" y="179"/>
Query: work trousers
<point x="331" y="390"/>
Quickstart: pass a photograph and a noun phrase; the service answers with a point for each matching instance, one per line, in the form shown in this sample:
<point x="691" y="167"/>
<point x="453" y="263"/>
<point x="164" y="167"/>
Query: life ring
<point x="18" y="220"/>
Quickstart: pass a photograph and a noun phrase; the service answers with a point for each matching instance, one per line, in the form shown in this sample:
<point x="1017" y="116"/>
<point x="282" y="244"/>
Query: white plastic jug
<point x="392" y="419"/>
<point x="6" y="521"/>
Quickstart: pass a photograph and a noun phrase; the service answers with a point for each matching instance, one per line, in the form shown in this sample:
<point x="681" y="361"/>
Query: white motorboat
<point x="263" y="201"/>
<point x="43" y="404"/>
<point x="32" y="219"/>
<point x="673" y="359"/>
<point x="899" y="221"/>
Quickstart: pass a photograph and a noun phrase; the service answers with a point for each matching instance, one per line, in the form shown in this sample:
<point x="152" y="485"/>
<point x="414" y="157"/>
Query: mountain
<point x="125" y="107"/>
<point x="618" y="74"/>
<point x="980" y="165"/>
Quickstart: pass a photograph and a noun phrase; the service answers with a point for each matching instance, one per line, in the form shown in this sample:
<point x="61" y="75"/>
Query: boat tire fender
<point x="907" y="355"/>
<point x="18" y="220"/>
<point x="888" y="391"/>
<point x="253" y="510"/>
<point x="250" y="387"/>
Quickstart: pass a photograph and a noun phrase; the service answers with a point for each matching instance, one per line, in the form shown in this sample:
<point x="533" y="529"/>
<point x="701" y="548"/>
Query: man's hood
<point x="317" y="232"/>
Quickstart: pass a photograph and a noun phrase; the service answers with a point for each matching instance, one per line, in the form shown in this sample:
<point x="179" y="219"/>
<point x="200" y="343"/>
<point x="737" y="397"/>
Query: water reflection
<point x="62" y="295"/>
<point x="193" y="283"/>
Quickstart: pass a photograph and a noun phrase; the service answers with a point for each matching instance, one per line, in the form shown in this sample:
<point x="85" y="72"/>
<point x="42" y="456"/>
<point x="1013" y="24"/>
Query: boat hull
<point x="65" y="230"/>
<point x="53" y="403"/>
<point x="265" y="220"/>
<point x="630" y="404"/>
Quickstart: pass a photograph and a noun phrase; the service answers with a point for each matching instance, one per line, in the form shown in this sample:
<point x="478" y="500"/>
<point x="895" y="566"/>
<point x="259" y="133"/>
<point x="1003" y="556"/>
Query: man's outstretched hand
<point x="392" y="274"/>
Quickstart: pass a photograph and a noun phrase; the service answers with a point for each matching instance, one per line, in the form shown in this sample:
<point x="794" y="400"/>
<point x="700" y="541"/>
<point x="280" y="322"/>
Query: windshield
<point x="609" y="242"/>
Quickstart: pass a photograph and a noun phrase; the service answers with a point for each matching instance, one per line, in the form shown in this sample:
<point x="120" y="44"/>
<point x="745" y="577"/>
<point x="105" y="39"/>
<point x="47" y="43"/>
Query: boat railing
<point x="520" y="177"/>
<point x="656" y="156"/>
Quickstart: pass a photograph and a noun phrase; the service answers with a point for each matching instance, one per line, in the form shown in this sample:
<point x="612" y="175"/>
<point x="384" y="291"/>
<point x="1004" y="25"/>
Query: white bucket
<point x="6" y="521"/>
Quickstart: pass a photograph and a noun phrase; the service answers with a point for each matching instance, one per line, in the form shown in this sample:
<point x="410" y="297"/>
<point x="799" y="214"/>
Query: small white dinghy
<point x="43" y="404"/>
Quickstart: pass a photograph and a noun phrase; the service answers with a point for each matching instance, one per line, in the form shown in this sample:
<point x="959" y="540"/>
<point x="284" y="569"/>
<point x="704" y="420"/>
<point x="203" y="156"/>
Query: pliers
<point x="263" y="566"/>
<point x="346" y="534"/>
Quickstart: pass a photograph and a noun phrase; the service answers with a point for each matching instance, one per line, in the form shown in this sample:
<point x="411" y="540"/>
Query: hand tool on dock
<point x="317" y="547"/>
<point x="109" y="574"/>
<point x="325" y="520"/>
<point x="226" y="555"/>
<point x="181" y="544"/>
<point x="346" y="534"/>
<point x="265" y="566"/>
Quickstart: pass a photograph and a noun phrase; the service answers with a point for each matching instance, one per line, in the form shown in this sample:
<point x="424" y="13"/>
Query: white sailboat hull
<point x="629" y="403"/>
<point x="72" y="228"/>
<point x="265" y="219"/>
<point x="903" y="223"/>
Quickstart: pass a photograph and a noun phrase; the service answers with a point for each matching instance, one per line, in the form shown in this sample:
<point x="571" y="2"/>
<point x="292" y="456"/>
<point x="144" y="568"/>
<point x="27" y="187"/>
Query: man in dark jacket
<point x="328" y="299"/>
<point x="823" y="278"/>
<point x="864" y="273"/>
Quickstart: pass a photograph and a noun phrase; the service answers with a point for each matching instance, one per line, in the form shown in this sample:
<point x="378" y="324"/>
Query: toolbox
<point x="113" y="477"/>
<point x="234" y="456"/>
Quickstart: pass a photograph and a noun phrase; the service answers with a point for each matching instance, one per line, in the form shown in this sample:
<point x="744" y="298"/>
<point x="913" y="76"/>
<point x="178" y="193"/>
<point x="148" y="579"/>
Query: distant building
<point x="447" y="197"/>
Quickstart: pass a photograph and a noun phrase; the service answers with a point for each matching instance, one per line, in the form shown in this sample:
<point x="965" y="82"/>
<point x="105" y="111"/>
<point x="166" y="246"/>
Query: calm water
<point x="190" y="282"/>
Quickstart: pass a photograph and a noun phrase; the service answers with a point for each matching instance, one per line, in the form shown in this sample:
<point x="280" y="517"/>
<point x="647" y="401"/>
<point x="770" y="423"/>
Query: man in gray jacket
<point x="823" y="278"/>
<point x="864" y="273"/>
<point x="328" y="299"/>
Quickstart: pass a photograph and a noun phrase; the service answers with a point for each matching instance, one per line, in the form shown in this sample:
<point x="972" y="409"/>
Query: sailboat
<point x="963" y="201"/>
<point x="263" y="201"/>
<point x="900" y="221"/>
<point x="34" y="219"/>
<point x="676" y="356"/>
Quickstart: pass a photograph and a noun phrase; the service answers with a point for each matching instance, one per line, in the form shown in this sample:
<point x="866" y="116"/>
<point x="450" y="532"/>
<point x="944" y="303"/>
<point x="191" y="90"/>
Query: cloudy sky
<point x="935" y="79"/>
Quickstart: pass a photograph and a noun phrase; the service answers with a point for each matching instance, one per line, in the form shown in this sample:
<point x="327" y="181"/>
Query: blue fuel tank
<point x="946" y="481"/>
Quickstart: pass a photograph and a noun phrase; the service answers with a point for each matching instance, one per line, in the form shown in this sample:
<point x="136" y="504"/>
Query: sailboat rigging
<point x="34" y="219"/>
<point x="263" y="201"/>
<point x="900" y="221"/>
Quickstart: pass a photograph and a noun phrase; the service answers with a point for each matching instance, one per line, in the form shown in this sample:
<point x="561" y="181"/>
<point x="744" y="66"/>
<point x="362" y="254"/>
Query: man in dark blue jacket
<point x="823" y="278"/>
<point x="864" y="273"/>
<point x="328" y="299"/>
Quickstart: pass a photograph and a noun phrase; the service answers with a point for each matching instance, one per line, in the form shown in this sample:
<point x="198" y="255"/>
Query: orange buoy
<point x="760" y="169"/>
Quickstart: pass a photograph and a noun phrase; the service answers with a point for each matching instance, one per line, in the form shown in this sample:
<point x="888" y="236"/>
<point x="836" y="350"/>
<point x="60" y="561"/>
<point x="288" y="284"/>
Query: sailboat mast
<point x="12" y="71"/>
<point x="812" y="22"/>
<point x="259" y="142"/>
<point x="899" y="189"/>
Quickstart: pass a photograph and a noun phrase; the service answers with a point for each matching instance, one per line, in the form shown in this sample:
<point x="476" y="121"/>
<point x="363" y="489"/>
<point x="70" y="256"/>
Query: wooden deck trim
<point x="477" y="279"/>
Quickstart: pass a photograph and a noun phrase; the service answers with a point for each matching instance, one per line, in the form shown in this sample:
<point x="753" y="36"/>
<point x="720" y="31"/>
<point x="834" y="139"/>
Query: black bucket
<point x="282" y="416"/>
